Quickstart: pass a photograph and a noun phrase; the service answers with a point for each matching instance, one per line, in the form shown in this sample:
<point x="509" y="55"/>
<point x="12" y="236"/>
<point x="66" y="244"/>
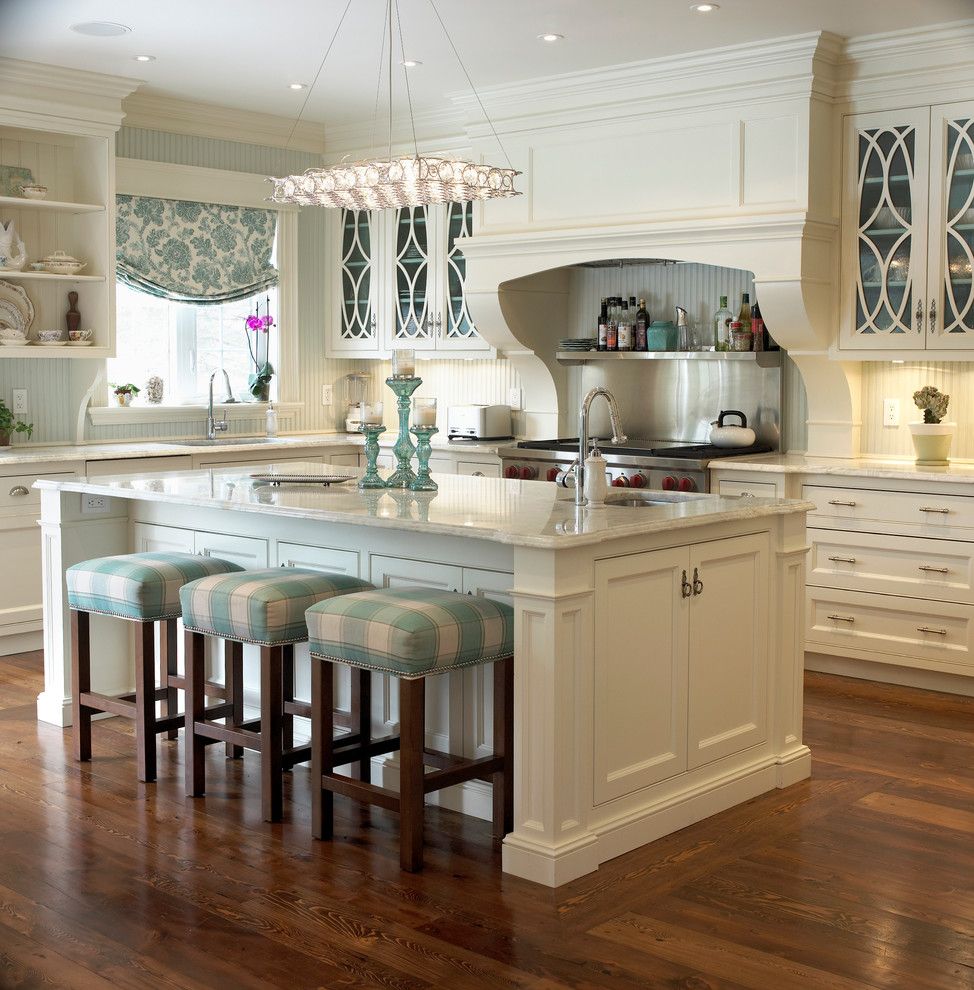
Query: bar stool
<point x="410" y="634"/>
<point x="264" y="608"/>
<point x="143" y="588"/>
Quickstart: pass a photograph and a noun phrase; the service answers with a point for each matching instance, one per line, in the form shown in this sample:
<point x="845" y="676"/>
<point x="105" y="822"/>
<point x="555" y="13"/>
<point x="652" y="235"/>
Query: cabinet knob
<point x="18" y="491"/>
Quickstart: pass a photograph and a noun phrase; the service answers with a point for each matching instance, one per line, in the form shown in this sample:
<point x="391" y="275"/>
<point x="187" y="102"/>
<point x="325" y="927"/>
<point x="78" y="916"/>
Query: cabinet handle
<point x="932" y="317"/>
<point x="686" y="589"/>
<point x="697" y="583"/>
<point x="843" y="560"/>
<point x="843" y="618"/>
<point x="18" y="491"/>
<point x="930" y="629"/>
<point x="935" y="509"/>
<point x="837" y="501"/>
<point x="478" y="474"/>
<point x="918" y="316"/>
<point x="934" y="570"/>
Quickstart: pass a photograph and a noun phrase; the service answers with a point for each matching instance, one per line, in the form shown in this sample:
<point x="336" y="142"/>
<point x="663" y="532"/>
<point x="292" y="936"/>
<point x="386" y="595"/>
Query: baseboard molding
<point x="25" y="642"/>
<point x="884" y="673"/>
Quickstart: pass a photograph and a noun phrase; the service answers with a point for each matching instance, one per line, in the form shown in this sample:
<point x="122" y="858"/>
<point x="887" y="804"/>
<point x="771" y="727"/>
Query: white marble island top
<point x="520" y="513"/>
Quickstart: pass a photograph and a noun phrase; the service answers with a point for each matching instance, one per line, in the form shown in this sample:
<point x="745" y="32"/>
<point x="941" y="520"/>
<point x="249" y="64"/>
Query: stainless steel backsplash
<point x="678" y="399"/>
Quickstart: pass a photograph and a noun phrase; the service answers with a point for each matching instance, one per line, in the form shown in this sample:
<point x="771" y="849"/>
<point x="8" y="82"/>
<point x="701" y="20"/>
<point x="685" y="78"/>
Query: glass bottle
<point x="612" y="328"/>
<point x="603" y="325"/>
<point x="758" y="333"/>
<point x="722" y="322"/>
<point x="625" y="328"/>
<point x="642" y="323"/>
<point x="745" y="314"/>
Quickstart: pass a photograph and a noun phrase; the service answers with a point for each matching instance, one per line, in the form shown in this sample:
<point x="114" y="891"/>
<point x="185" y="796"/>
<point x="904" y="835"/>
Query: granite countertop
<point x="50" y="453"/>
<point x="854" y="467"/>
<point x="521" y="513"/>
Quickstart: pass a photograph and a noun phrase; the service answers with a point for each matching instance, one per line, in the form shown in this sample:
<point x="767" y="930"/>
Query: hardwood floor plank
<point x="929" y="813"/>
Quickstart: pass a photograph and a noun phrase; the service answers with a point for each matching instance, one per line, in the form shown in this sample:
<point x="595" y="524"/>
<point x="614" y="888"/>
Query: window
<point x="184" y="343"/>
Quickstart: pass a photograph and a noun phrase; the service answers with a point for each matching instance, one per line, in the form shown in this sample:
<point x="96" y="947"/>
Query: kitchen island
<point x="658" y="647"/>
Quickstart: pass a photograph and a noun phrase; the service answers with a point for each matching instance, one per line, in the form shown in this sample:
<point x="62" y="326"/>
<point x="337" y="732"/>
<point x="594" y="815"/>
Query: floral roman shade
<point x="194" y="252"/>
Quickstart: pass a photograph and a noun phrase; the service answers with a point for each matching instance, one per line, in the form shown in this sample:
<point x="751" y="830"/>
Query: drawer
<point x="318" y="558"/>
<point x="481" y="469"/>
<point x="940" y="570"/>
<point x="748" y="489"/>
<point x="18" y="494"/>
<point x="866" y="510"/>
<point x="936" y="634"/>
<point x="137" y="465"/>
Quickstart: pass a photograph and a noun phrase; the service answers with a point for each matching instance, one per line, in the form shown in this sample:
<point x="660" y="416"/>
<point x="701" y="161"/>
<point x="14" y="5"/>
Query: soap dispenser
<point x="270" y="420"/>
<point x="596" y="487"/>
<point x="683" y="342"/>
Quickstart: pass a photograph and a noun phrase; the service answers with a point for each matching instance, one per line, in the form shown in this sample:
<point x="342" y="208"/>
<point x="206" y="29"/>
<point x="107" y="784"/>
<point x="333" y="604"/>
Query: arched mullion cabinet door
<point x="458" y="331"/>
<point x="413" y="308"/>
<point x="358" y="327"/>
<point x="950" y="308"/>
<point x="885" y="231"/>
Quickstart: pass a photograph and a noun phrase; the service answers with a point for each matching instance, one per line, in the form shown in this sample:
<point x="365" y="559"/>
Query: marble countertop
<point x="856" y="467"/>
<point x="50" y="453"/>
<point x="522" y="513"/>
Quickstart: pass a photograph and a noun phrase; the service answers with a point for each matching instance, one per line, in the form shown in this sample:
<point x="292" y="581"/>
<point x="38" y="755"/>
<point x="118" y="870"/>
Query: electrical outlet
<point x="327" y="395"/>
<point x="891" y="412"/>
<point x="95" y="504"/>
<point x="514" y="398"/>
<point x="19" y="402"/>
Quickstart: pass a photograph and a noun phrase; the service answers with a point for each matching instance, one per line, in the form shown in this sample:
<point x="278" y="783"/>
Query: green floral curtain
<point x="204" y="253"/>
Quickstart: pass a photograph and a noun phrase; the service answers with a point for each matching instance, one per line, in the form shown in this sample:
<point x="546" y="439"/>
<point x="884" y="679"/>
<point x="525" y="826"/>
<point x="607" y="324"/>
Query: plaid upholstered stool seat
<point x="265" y="608"/>
<point x="143" y="588"/>
<point x="411" y="634"/>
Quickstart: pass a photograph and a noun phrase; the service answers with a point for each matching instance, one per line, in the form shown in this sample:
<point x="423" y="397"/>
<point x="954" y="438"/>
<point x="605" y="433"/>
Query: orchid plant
<point x="259" y="382"/>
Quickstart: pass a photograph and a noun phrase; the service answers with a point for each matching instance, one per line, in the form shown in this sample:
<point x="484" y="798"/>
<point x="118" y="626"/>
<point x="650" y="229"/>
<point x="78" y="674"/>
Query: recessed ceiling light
<point x="297" y="86"/>
<point x="410" y="63"/>
<point x="145" y="58"/>
<point x="101" y="29"/>
<point x="550" y="37"/>
<point x="704" y="8"/>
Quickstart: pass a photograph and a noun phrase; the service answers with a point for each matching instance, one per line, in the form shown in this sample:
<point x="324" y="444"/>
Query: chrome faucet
<point x="617" y="435"/>
<point x="212" y="426"/>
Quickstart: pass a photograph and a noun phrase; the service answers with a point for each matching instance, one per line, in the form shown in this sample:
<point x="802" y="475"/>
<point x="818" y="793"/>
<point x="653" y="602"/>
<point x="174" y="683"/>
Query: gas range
<point x="660" y="464"/>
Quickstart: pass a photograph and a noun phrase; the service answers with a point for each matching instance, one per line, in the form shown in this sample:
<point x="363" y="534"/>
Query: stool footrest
<point x="297" y="754"/>
<point x="369" y="793"/>
<point x="467" y="770"/>
<point x="210" y="688"/>
<point x="225" y="733"/>
<point x="124" y="706"/>
<point x="302" y="708"/>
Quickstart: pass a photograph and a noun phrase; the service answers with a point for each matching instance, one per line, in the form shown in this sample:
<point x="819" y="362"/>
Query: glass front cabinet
<point x="908" y="230"/>
<point x="398" y="281"/>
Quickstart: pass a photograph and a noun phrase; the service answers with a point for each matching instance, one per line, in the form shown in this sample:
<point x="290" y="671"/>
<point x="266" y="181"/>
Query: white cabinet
<point x="250" y="552"/>
<point x="480" y="469"/>
<point x="908" y="230"/>
<point x="683" y="671"/>
<point x="397" y="280"/>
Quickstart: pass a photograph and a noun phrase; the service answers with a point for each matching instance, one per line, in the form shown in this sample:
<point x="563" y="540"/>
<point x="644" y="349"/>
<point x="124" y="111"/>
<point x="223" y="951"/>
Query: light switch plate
<point x="891" y="412"/>
<point x="514" y="398"/>
<point x="19" y="402"/>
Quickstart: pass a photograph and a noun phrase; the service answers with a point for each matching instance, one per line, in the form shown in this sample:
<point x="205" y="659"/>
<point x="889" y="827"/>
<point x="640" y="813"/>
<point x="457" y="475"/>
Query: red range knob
<point x="637" y="481"/>
<point x="512" y="472"/>
<point x="529" y="472"/>
<point x="669" y="483"/>
<point x="687" y="485"/>
<point x="553" y="473"/>
<point x="621" y="482"/>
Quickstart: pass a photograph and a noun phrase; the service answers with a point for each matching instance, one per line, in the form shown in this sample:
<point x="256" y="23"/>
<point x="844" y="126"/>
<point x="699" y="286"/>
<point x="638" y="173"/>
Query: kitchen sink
<point x="223" y="441"/>
<point x="651" y="499"/>
<point x="634" y="502"/>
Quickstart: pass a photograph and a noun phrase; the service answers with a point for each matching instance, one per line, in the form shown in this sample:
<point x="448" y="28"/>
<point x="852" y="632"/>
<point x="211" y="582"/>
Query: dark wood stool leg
<point x="412" y="734"/>
<point x="362" y="714"/>
<point x="233" y="679"/>
<point x="167" y="650"/>
<point x="195" y="750"/>
<point x="322" y="746"/>
<point x="80" y="683"/>
<point x="287" y="674"/>
<point x="271" y="733"/>
<point x="145" y="700"/>
<point x="504" y="746"/>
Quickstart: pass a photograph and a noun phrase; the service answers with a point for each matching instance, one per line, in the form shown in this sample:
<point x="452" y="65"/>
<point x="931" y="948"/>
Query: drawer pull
<point x="843" y="560"/>
<point x="934" y="570"/>
<point x="929" y="629"/>
<point x="837" y="501"/>
<point x="842" y="618"/>
<point x="933" y="508"/>
<point x="18" y="491"/>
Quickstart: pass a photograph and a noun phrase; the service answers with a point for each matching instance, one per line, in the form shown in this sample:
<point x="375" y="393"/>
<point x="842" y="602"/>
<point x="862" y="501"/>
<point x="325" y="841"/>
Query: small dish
<point x="60" y="263"/>
<point x="50" y="343"/>
<point x="34" y="191"/>
<point x="78" y="343"/>
<point x="14" y="341"/>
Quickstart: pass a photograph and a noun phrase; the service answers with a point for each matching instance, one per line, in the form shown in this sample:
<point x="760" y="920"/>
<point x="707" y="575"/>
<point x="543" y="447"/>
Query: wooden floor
<point x="861" y="877"/>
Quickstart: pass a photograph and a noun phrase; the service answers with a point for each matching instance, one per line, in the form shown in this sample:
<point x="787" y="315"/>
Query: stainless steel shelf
<point x="764" y="359"/>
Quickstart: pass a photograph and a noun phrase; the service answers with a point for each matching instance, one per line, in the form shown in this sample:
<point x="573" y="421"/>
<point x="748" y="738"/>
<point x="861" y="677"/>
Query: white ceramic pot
<point x="931" y="441"/>
<point x="124" y="398"/>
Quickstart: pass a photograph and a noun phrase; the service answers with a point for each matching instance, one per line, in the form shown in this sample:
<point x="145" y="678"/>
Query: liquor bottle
<point x="722" y="322"/>
<point x="625" y="329"/>
<point x="745" y="314"/>
<point x="603" y="325"/>
<point x="612" y="326"/>
<point x="642" y="323"/>
<point x="757" y="328"/>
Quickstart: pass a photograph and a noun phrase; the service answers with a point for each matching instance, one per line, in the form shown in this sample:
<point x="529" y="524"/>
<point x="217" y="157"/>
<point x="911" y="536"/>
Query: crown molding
<point x="156" y="112"/>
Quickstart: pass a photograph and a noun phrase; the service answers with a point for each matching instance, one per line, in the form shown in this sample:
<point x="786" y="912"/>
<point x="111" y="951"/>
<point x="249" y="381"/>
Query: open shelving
<point x="764" y="359"/>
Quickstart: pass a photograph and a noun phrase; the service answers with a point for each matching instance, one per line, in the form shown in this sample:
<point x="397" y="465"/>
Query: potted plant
<point x="932" y="437"/>
<point x="259" y="381"/>
<point x="124" y="394"/>
<point x="9" y="425"/>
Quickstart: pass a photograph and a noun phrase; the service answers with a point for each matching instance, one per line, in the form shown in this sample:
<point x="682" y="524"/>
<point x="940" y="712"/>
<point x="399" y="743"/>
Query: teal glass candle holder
<point x="371" y="477"/>
<point x="404" y="474"/>
<point x="423" y="482"/>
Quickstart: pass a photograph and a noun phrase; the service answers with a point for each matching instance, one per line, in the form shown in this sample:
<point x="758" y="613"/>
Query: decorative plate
<point x="79" y="343"/>
<point x="12" y="177"/>
<point x="16" y="309"/>
<point x="50" y="343"/>
<point x="303" y="479"/>
<point x="22" y="342"/>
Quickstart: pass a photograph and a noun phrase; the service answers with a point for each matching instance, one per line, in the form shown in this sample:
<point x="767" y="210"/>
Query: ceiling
<point x="244" y="53"/>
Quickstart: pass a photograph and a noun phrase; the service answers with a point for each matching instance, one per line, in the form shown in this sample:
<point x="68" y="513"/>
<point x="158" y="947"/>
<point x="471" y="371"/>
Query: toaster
<point x="478" y="423"/>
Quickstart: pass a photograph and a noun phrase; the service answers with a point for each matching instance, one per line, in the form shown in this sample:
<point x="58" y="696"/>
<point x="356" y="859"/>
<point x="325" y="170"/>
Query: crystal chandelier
<point x="379" y="183"/>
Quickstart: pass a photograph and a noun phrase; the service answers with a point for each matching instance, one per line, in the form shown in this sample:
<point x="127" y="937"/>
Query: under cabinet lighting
<point x="550" y="37"/>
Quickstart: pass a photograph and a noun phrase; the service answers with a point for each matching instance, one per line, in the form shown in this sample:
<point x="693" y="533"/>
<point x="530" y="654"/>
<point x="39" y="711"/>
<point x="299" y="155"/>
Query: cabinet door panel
<point x="950" y="315"/>
<point x="249" y="552"/>
<point x="729" y="642"/>
<point x="640" y="690"/>
<point x="358" y="320"/>
<point x="885" y="230"/>
<point x="413" y="308"/>
<point x="455" y="325"/>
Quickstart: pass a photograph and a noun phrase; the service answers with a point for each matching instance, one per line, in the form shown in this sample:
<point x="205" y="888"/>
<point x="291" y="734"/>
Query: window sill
<point x="234" y="412"/>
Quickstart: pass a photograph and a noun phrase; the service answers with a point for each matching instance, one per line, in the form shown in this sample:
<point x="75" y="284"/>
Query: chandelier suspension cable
<point x="480" y="102"/>
<point x="378" y="89"/>
<point x="405" y="76"/>
<point x="314" y="82"/>
<point x="389" y="13"/>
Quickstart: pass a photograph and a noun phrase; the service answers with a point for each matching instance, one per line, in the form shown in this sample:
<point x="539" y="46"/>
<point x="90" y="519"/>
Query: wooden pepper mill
<point x="73" y="317"/>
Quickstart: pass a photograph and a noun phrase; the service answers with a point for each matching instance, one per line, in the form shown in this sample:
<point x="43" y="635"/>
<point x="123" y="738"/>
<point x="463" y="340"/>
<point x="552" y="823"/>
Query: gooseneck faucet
<point x="212" y="426"/>
<point x="617" y="435"/>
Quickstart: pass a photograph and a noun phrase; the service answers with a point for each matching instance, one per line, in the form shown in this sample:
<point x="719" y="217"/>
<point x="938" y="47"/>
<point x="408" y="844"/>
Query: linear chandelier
<point x="395" y="181"/>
